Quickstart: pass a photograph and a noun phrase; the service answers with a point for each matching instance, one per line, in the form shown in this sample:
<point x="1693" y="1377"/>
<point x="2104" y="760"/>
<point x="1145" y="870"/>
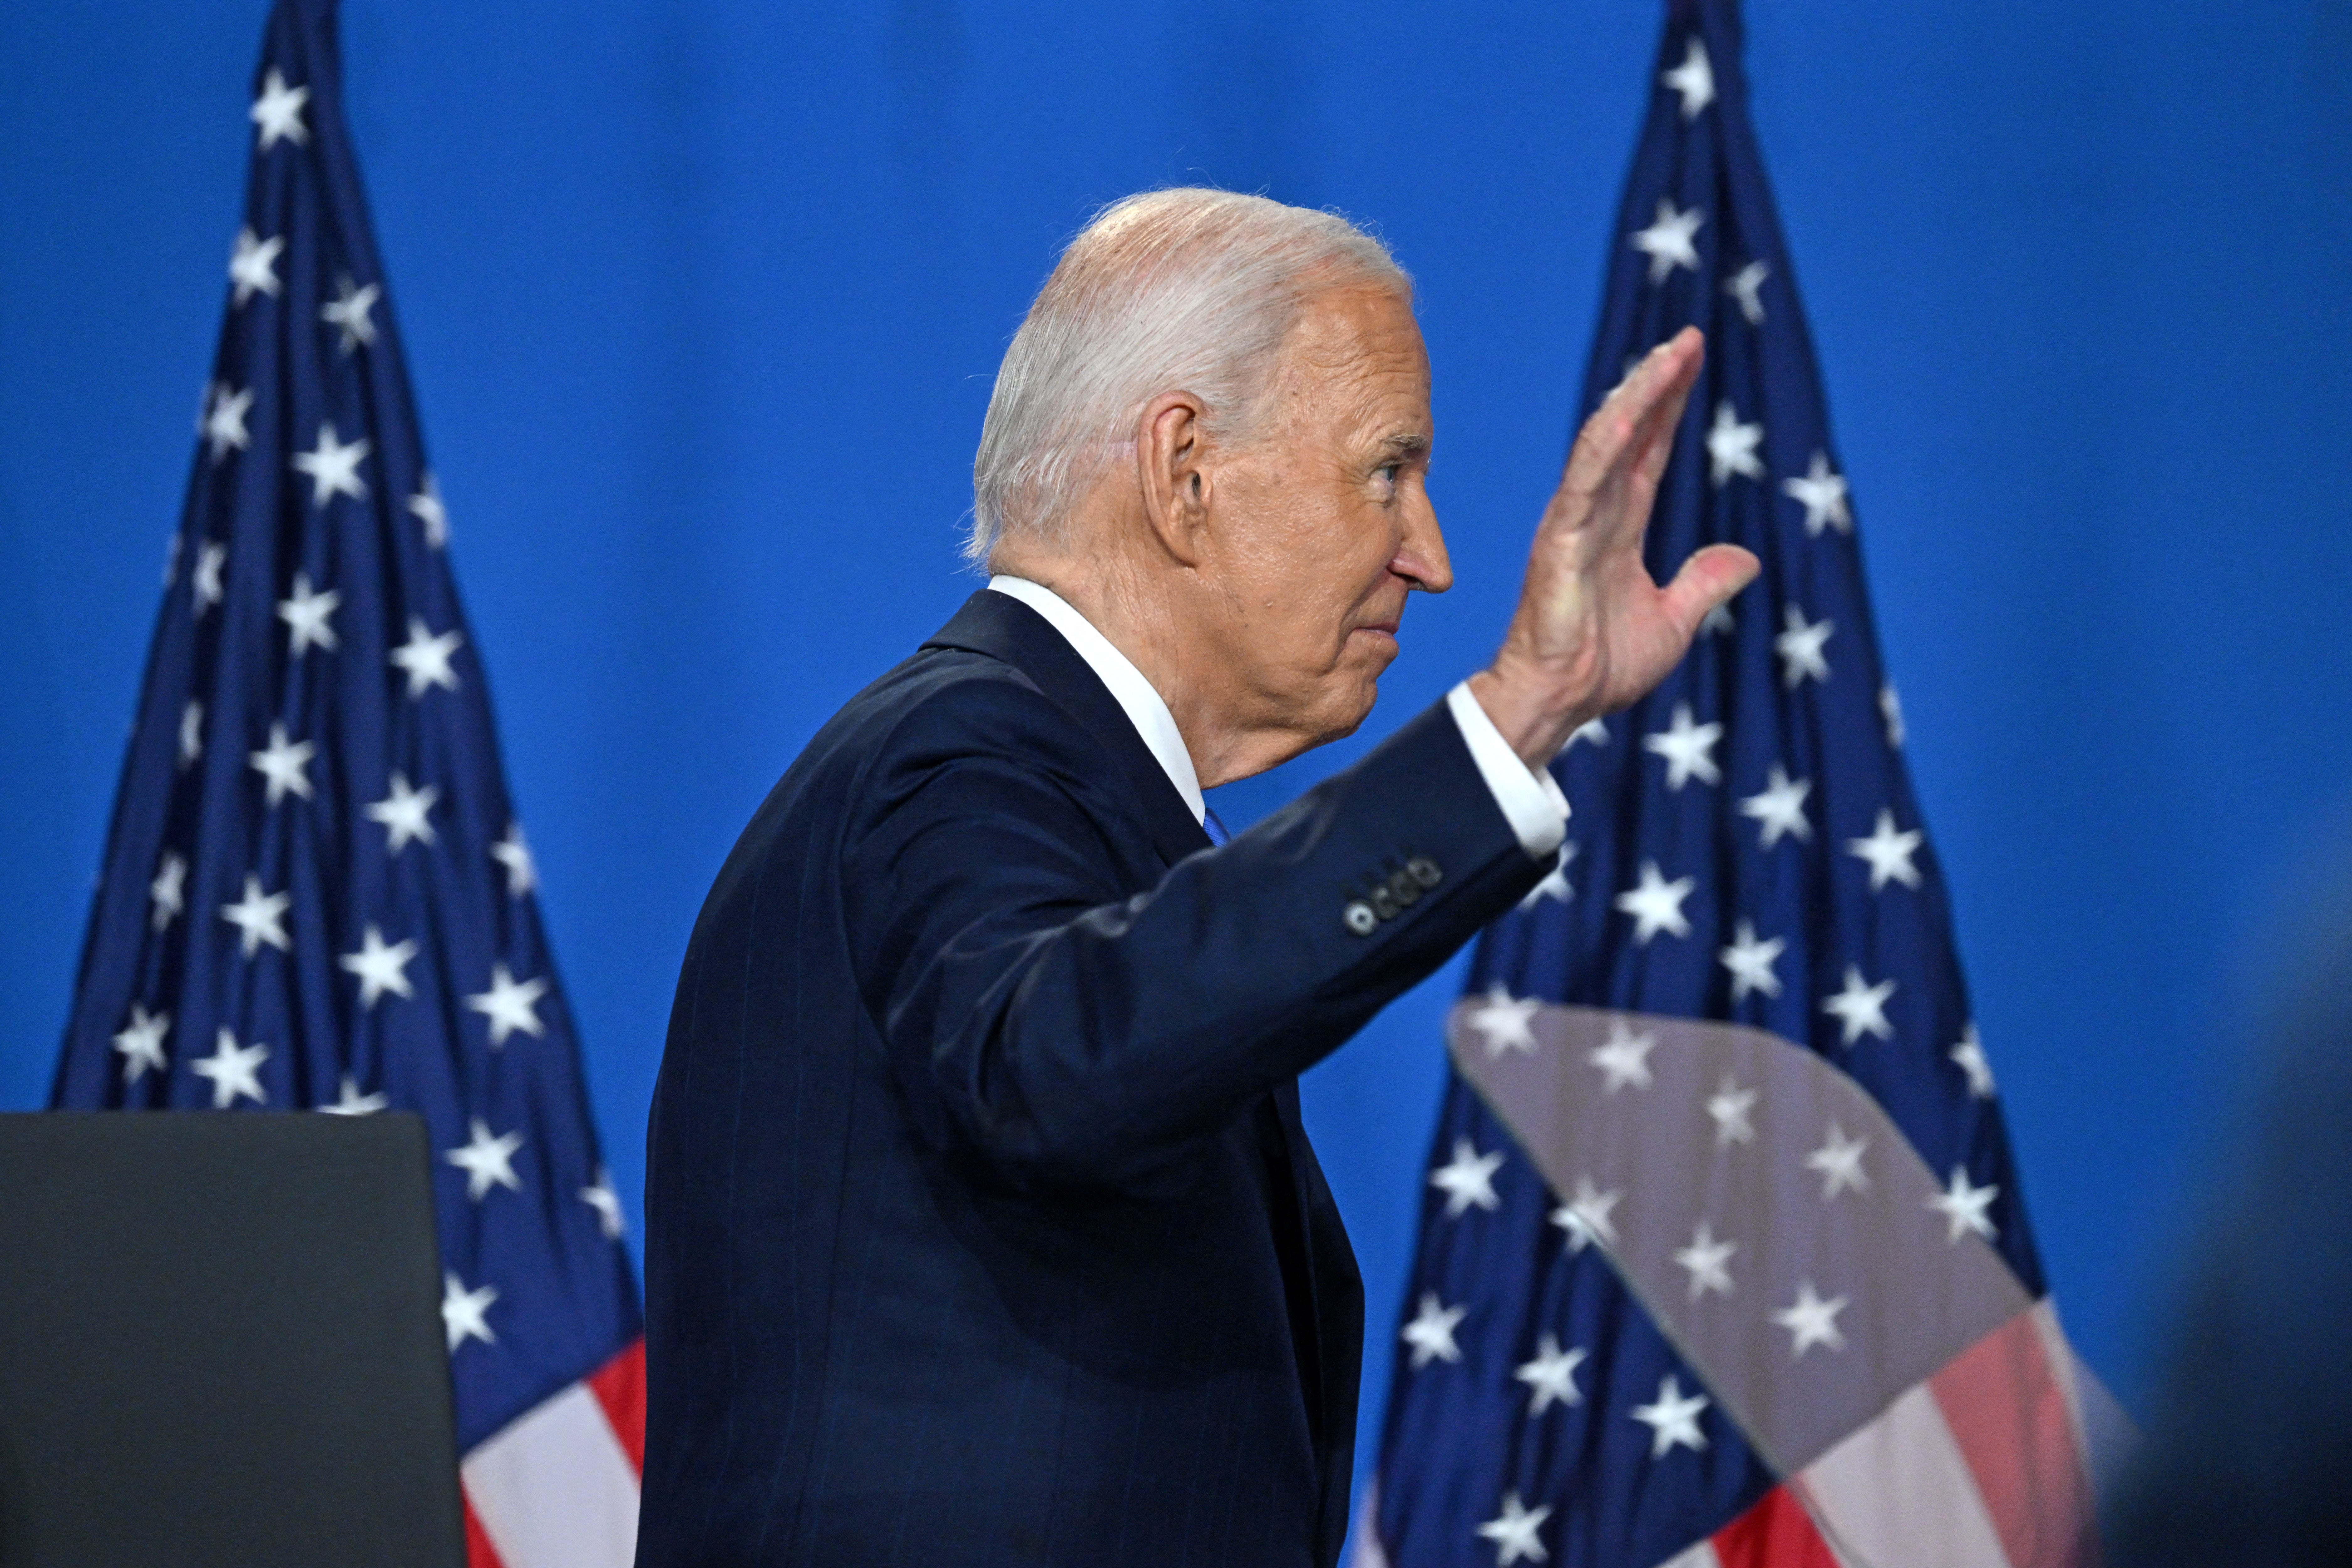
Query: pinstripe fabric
<point x="981" y="1228"/>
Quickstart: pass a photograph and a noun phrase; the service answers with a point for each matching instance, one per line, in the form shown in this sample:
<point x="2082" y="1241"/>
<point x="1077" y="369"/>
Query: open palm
<point x="1593" y="632"/>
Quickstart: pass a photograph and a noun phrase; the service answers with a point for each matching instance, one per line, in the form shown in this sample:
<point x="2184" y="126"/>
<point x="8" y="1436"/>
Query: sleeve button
<point x="1405" y="888"/>
<point x="1359" y="917"/>
<point x="1424" y="870"/>
<point x="1383" y="902"/>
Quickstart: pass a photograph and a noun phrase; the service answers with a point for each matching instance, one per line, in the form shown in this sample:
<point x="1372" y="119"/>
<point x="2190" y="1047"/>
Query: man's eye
<point x="1387" y="474"/>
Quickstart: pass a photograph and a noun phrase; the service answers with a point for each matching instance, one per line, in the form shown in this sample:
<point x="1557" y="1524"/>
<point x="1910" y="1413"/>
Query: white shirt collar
<point x="1144" y="707"/>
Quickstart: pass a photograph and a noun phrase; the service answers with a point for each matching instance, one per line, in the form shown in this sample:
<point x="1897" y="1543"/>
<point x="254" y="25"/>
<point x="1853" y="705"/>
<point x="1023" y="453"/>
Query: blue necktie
<point x="1217" y="833"/>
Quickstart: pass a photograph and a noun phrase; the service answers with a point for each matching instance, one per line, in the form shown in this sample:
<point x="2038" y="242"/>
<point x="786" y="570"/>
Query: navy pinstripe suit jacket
<point x="981" y="1226"/>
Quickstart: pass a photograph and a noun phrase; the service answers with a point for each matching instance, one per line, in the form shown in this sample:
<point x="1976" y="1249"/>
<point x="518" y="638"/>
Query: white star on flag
<point x="1812" y="1321"/>
<point x="1555" y="884"/>
<point x="1468" y="1179"/>
<point x="1693" y="79"/>
<point x="380" y="966"/>
<point x="353" y="1103"/>
<point x="1800" y="647"/>
<point x="1750" y="959"/>
<point x="1731" y="447"/>
<point x="1623" y="1057"/>
<point x="305" y="615"/>
<point x="1969" y="1056"/>
<point x="348" y="313"/>
<point x="1502" y="1022"/>
<point x="1779" y="808"/>
<point x="1585" y="1216"/>
<point x="165" y="889"/>
<point x="1728" y="1107"/>
<point x="333" y="467"/>
<point x="487" y="1162"/>
<point x="259" y="917"/>
<point x="1431" y="1332"/>
<point x="224" y="425"/>
<point x="1839" y="1160"/>
<point x="601" y="1198"/>
<point x="1656" y="905"/>
<point x="1513" y="1531"/>
<point x="205" y="583"/>
<point x="514" y="854"/>
<point x="403" y="813"/>
<point x="462" y="1311"/>
<point x="1890" y="707"/>
<point x="426" y="505"/>
<point x="1821" y="491"/>
<point x="1595" y="731"/>
<point x="1673" y="1421"/>
<point x="1551" y="1375"/>
<point x="232" y="1068"/>
<point x="1743" y="285"/>
<point x="425" y="657"/>
<point x="277" y="112"/>
<point x="1888" y="853"/>
<point x="253" y="268"/>
<point x="1708" y="1261"/>
<point x="140" y="1041"/>
<point x="1963" y="1207"/>
<point x="1667" y="242"/>
<point x="510" y="1005"/>
<point x="1861" y="1008"/>
<point x="1688" y="749"/>
<point x="192" y="733"/>
<point x="282" y="762"/>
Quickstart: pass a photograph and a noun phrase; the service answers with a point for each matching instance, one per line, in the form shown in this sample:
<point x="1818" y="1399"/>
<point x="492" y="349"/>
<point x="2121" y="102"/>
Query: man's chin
<point x="1348" y="714"/>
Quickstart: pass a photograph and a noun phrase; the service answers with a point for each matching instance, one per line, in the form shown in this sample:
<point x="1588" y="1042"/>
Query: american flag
<point x="315" y="895"/>
<point x="1722" y="1258"/>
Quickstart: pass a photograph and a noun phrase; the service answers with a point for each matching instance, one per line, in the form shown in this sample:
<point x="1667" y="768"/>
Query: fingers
<point x="1657" y="443"/>
<point x="1657" y="374"/>
<point x="1709" y="578"/>
<point x="1638" y="417"/>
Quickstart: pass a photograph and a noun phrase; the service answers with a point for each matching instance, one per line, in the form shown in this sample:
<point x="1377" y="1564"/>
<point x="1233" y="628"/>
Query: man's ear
<point x="1171" y="449"/>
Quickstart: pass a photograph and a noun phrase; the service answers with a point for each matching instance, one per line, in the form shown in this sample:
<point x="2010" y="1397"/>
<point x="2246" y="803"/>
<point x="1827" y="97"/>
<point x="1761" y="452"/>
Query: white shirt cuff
<point x="1530" y="798"/>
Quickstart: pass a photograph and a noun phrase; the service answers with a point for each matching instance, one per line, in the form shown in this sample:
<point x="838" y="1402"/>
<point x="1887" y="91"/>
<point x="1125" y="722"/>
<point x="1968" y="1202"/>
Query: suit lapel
<point x="1004" y="629"/>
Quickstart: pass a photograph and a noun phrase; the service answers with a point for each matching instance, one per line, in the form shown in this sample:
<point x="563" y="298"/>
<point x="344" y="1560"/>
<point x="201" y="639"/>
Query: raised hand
<point x="1593" y="631"/>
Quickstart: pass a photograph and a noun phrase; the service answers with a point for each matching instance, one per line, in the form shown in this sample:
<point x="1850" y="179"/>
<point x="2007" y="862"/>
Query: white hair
<point x="1176" y="290"/>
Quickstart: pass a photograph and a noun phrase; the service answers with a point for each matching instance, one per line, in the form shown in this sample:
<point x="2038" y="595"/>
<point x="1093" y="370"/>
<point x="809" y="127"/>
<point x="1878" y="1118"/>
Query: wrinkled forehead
<point x="1355" y="364"/>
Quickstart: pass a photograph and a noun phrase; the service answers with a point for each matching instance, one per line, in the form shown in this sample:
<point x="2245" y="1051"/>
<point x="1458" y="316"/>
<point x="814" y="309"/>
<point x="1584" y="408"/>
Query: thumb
<point x="1709" y="578"/>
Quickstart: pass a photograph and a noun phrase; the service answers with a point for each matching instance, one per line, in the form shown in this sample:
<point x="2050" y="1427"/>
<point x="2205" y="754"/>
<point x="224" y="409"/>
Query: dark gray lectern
<point x="221" y="1343"/>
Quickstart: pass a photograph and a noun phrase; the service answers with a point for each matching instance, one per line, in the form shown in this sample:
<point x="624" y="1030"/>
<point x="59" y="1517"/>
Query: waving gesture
<point x="1593" y="631"/>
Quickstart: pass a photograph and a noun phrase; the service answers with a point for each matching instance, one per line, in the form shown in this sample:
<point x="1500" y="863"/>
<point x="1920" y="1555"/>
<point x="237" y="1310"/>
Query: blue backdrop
<point x="703" y="299"/>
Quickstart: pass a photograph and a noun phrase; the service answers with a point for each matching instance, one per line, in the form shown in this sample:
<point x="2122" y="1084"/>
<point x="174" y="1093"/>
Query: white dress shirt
<point x="1529" y="799"/>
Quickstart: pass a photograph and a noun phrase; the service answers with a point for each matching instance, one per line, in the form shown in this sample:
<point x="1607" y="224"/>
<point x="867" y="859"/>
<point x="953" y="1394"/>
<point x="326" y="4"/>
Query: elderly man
<point x="981" y="1228"/>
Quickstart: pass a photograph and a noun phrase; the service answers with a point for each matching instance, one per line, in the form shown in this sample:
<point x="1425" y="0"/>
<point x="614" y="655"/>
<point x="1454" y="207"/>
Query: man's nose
<point x="1421" y="556"/>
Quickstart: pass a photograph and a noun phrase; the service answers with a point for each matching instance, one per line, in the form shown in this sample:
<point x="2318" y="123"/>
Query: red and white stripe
<point x="557" y="1488"/>
<point x="1981" y="1466"/>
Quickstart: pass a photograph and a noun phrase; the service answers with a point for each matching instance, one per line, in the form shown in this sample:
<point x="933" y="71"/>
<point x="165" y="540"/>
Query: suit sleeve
<point x="1063" y="1033"/>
